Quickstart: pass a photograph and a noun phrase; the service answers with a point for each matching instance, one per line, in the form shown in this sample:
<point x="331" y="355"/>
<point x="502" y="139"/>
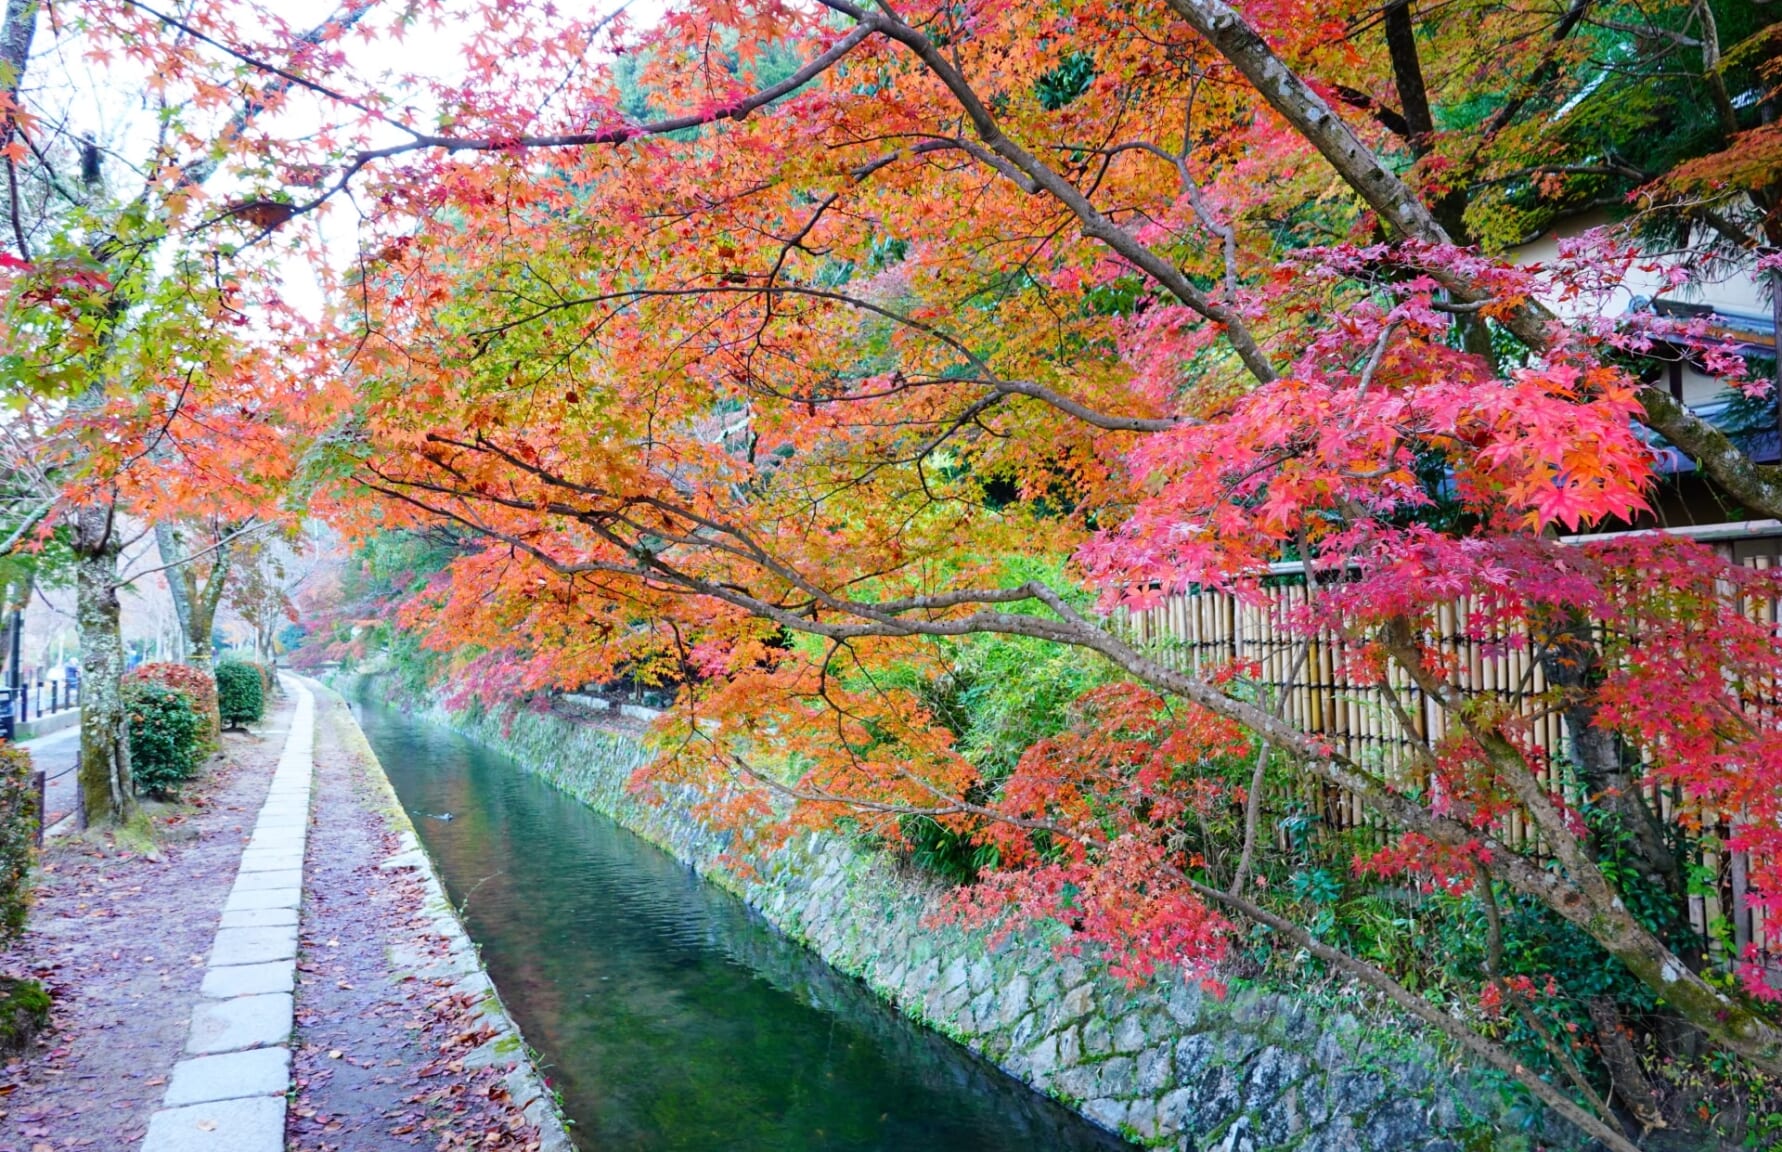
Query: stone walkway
<point x="228" y="1094"/>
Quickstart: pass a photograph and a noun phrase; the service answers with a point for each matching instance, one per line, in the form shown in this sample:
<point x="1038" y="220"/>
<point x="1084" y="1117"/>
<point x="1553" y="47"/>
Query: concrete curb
<point x="46" y="725"/>
<point x="460" y="961"/>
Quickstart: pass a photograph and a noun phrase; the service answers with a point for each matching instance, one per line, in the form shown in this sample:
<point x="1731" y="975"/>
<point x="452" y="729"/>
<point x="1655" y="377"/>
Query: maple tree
<point x="153" y="373"/>
<point x="777" y="355"/>
<point x="834" y="368"/>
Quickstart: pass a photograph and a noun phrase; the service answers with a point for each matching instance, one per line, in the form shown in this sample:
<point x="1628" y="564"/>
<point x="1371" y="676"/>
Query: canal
<point x="668" y="1013"/>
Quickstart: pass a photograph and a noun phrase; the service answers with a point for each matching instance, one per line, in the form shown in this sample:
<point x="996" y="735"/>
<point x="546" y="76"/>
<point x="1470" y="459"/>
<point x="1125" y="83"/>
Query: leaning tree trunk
<point x="172" y="554"/>
<point x="204" y="614"/>
<point x="199" y="621"/>
<point x="195" y="604"/>
<point x="106" y="789"/>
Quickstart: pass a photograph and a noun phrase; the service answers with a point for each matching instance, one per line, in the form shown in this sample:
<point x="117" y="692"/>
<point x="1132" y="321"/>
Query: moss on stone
<point x="24" y="1012"/>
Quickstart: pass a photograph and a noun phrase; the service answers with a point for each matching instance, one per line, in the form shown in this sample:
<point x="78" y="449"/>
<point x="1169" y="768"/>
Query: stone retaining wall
<point x="1167" y="1065"/>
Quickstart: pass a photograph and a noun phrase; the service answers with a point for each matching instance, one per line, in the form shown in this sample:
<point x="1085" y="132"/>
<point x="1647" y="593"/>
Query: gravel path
<point x="384" y="1050"/>
<point x="120" y="937"/>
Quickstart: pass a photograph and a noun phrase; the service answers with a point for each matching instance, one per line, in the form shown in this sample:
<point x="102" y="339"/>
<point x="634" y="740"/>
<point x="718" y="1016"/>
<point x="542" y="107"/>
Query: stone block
<point x="1141" y="1119"/>
<point x="255" y="1124"/>
<point x="271" y="859"/>
<point x="284" y="878"/>
<point x="1042" y="1059"/>
<point x="1271" y="1074"/>
<point x="1110" y="1114"/>
<point x="244" y="1022"/>
<point x="259" y="917"/>
<point x="230" y="1076"/>
<point x="261" y="847"/>
<point x="1070" y="1048"/>
<point x="255" y="898"/>
<point x="249" y="979"/>
<point x="1014" y="999"/>
<point x="1115" y="1078"/>
<point x="1076" y="1003"/>
<point x="253" y="945"/>
<point x="1155" y="1069"/>
<point x="1129" y="1033"/>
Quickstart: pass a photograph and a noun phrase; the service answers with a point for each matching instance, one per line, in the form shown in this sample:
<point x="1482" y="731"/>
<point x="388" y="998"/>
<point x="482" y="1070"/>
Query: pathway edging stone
<point x="229" y="1093"/>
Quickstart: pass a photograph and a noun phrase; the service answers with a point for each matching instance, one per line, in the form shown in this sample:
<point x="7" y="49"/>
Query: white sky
<point x="114" y="102"/>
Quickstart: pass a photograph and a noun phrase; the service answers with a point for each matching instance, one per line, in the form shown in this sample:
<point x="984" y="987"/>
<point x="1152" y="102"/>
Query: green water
<point x="669" y="1014"/>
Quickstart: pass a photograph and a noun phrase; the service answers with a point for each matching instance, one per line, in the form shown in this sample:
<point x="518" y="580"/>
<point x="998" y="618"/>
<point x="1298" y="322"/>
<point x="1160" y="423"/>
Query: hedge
<point x="166" y="738"/>
<point x="197" y="684"/>
<point x="18" y="839"/>
<point x="241" y="693"/>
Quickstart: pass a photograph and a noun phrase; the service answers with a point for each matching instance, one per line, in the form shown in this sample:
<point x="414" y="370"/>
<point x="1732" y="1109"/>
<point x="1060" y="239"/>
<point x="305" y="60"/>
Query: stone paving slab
<point x="244" y="1022"/>
<point x="249" y="980"/>
<point x="271" y="859"/>
<point x="256" y="1124"/>
<point x="258" y="917"/>
<point x="253" y="945"/>
<point x="250" y="881"/>
<point x="229" y="1095"/>
<point x="291" y="841"/>
<point x="252" y="898"/>
<point x="230" y="1076"/>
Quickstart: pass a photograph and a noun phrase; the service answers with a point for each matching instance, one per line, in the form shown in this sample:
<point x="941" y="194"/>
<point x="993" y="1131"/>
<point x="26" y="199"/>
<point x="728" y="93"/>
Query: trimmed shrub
<point x="18" y="839"/>
<point x="197" y="684"/>
<point x="166" y="738"/>
<point x="241" y="694"/>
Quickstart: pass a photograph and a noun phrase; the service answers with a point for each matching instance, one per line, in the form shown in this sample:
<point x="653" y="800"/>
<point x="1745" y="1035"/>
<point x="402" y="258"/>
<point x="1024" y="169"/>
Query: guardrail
<point x="33" y="701"/>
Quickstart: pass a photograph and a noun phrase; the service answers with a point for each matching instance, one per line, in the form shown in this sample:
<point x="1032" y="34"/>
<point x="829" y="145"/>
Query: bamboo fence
<point x="1318" y="686"/>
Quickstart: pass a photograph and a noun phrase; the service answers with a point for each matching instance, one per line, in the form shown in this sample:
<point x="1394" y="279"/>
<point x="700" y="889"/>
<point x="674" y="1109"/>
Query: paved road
<point x="55" y="756"/>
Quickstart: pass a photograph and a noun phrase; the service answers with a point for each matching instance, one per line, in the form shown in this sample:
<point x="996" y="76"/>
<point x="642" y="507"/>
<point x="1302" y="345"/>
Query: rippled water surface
<point x="670" y="1015"/>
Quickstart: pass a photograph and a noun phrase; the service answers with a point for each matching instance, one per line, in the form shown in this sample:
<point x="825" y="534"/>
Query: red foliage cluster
<point x="200" y="686"/>
<point x="1086" y="831"/>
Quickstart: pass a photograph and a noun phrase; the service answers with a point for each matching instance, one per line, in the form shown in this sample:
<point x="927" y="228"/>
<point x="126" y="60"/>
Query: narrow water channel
<point x="668" y="1013"/>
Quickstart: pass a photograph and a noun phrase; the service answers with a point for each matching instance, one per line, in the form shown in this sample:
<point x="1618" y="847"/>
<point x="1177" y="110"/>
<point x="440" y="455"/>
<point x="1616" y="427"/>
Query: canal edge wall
<point x="1167" y="1065"/>
<point x="459" y="959"/>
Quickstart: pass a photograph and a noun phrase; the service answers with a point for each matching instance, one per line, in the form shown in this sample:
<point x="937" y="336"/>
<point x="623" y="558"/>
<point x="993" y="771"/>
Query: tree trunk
<point x="168" y="543"/>
<point x="195" y="603"/>
<point x="106" y="789"/>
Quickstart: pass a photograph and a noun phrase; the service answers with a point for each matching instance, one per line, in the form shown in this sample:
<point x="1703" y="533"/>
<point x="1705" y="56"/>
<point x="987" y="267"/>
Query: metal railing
<point x="33" y="701"/>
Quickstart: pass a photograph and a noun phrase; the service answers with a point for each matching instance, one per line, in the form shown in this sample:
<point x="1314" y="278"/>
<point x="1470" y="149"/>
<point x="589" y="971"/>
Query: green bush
<point x="166" y="738"/>
<point x="18" y="839"/>
<point x="241" y="693"/>
<point x="200" y="686"/>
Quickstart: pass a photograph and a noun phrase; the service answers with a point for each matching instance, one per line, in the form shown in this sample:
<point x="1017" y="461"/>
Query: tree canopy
<point x="775" y="350"/>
